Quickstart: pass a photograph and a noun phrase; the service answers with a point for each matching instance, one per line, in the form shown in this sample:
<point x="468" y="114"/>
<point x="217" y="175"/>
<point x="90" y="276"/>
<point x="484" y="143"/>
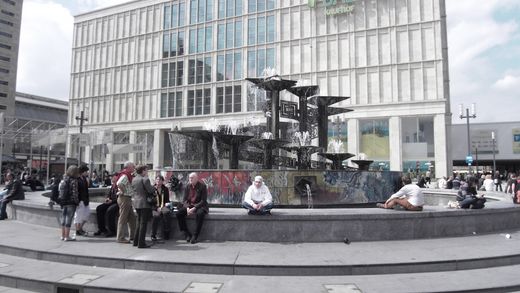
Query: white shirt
<point x="413" y="194"/>
<point x="258" y="195"/>
<point x="442" y="183"/>
<point x="488" y="184"/>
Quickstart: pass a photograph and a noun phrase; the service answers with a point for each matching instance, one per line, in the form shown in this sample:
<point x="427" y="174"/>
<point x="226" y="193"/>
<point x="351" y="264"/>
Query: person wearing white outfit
<point x="258" y="199"/>
<point x="410" y="197"/>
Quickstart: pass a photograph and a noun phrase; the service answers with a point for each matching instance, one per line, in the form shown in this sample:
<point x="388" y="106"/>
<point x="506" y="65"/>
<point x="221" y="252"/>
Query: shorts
<point x="82" y="213"/>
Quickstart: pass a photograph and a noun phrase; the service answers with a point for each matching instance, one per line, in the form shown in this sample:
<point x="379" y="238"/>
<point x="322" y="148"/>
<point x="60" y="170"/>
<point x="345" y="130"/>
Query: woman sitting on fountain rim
<point x="410" y="197"/>
<point x="258" y="199"/>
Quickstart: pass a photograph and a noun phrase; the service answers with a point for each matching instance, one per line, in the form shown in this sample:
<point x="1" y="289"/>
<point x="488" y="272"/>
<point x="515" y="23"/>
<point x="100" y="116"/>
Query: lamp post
<point x="467" y="116"/>
<point x="81" y="118"/>
<point x="494" y="143"/>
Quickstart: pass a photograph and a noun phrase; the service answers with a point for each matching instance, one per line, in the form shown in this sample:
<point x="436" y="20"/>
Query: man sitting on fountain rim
<point x="410" y="197"/>
<point x="258" y="199"/>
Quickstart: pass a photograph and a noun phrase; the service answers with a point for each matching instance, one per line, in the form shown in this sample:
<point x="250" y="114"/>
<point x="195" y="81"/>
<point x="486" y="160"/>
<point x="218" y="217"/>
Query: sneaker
<point x="69" y="239"/>
<point x="81" y="233"/>
<point x="154" y="239"/>
<point x="380" y="205"/>
<point x="62" y="238"/>
<point x="99" y="233"/>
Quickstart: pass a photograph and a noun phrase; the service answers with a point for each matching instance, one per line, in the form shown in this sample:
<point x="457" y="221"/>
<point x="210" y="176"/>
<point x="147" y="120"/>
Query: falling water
<point x="302" y="138"/>
<point x="214" y="148"/>
<point x="362" y="156"/>
<point x="267" y="135"/>
<point x="211" y="125"/>
<point x="310" y="204"/>
<point x="270" y="73"/>
<point x="232" y="127"/>
<point x="335" y="146"/>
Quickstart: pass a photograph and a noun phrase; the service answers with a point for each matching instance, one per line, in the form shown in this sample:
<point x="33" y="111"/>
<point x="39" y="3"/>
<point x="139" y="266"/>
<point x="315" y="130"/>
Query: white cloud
<point x="44" y="57"/>
<point x="474" y="31"/>
<point x="508" y="83"/>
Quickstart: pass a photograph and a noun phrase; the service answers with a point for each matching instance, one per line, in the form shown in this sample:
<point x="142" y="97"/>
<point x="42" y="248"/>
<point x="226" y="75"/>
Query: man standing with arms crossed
<point x="124" y="200"/>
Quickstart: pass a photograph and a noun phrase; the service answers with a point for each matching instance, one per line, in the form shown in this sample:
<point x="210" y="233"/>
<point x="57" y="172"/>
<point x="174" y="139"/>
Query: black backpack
<point x="55" y="192"/>
<point x="64" y="194"/>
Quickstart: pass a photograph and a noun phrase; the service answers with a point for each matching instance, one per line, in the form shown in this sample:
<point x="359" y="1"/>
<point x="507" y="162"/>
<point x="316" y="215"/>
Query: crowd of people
<point x="133" y="201"/>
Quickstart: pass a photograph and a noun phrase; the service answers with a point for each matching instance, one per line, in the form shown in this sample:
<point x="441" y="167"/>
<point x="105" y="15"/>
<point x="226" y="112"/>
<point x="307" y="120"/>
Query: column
<point x="109" y="160"/>
<point x="158" y="149"/>
<point x="396" y="146"/>
<point x="443" y="161"/>
<point x="353" y="137"/>
<point x="87" y="156"/>
<point x="132" y="140"/>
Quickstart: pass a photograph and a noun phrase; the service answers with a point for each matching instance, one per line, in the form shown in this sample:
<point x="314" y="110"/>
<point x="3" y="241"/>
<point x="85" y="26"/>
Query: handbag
<point x="151" y="199"/>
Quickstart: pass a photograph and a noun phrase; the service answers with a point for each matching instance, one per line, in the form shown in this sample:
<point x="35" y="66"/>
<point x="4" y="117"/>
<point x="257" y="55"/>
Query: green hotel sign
<point x="333" y="7"/>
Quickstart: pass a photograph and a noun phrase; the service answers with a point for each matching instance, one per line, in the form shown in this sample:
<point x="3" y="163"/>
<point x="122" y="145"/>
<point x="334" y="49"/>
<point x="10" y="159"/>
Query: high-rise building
<point x="145" y="67"/>
<point x="10" y="21"/>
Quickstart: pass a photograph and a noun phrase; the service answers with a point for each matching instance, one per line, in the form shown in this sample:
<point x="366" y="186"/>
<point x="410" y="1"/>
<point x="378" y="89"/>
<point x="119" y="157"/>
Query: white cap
<point x="259" y="178"/>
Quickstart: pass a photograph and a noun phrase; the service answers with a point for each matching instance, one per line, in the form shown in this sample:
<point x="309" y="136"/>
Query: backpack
<point x="55" y="192"/>
<point x="63" y="191"/>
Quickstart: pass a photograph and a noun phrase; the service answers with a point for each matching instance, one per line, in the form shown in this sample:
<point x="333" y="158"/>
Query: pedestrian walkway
<point x="98" y="264"/>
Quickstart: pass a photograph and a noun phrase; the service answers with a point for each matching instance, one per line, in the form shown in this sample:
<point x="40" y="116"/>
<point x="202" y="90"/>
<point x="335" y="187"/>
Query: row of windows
<point x="8" y="35"/>
<point x="260" y="5"/>
<point x="199" y="102"/>
<point x="201" y="40"/>
<point x="3" y="82"/>
<point x="3" y="95"/>
<point x="171" y="104"/>
<point x="173" y="44"/>
<point x="11" y="2"/>
<point x="229" y="66"/>
<point x="6" y="22"/>
<point x="174" y="15"/>
<point x="229" y="8"/>
<point x="172" y="74"/>
<point x="5" y="46"/>
<point x="201" y="11"/>
<point x="3" y="58"/>
<point x="229" y="99"/>
<point x="199" y="70"/>
<point x="3" y="70"/>
<point x="229" y="35"/>
<point x="258" y="60"/>
<point x="261" y="30"/>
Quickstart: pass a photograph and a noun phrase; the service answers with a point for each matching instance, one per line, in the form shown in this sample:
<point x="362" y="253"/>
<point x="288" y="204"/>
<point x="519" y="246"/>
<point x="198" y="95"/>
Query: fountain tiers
<point x="337" y="159"/>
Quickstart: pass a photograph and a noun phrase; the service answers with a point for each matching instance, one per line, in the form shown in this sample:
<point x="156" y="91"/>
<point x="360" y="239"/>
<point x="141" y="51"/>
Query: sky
<point x="483" y="48"/>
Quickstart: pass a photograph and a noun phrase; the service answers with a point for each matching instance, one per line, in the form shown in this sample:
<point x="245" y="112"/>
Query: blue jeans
<point x="265" y="209"/>
<point x="67" y="215"/>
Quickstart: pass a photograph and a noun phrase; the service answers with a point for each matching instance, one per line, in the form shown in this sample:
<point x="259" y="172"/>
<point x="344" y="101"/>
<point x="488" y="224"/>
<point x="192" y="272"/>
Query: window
<point x="220" y="67"/>
<point x="5" y="46"/>
<point x="10" y="2"/>
<point x="171" y="74"/>
<point x="229" y="8"/>
<point x="374" y="139"/>
<point x="261" y="30"/>
<point x="173" y="44"/>
<point x="167" y="16"/>
<point x="230" y="35"/>
<point x="166" y="45"/>
<point x="3" y="95"/>
<point x="418" y="141"/>
<point x="2" y="107"/>
<point x="171" y="104"/>
<point x="7" y="12"/>
<point x="191" y="72"/>
<point x="201" y="11"/>
<point x="8" y="35"/>
<point x="260" y="5"/>
<point x="3" y="70"/>
<point x="4" y="82"/>
<point x="200" y="43"/>
<point x="259" y="60"/>
<point x="229" y="99"/>
<point x="3" y="58"/>
<point x="199" y="70"/>
<point x="207" y="69"/>
<point x="209" y="38"/>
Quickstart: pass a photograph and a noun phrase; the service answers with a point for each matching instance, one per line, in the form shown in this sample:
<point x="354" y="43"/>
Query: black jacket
<point x="15" y="190"/>
<point x="165" y="196"/>
<point x="83" y="190"/>
<point x="201" y="197"/>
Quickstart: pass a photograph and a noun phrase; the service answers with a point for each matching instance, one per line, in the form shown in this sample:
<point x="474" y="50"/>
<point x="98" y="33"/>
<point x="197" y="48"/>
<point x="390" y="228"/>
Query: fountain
<point x="302" y="132"/>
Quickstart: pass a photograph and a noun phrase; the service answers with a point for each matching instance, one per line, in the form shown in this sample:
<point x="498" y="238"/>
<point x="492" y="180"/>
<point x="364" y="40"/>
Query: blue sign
<point x="469" y="159"/>
<point x="517" y="137"/>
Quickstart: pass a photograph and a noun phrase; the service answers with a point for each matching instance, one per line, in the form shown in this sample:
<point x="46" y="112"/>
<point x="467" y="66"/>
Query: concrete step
<point x="266" y="259"/>
<point x="44" y="276"/>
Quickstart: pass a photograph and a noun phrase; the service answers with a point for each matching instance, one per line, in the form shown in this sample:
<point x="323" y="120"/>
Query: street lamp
<point x="493" y="138"/>
<point x="81" y="118"/>
<point x="467" y="116"/>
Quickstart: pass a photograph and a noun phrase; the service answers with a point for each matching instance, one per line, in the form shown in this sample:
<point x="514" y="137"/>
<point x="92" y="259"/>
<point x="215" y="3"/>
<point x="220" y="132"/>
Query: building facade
<point x="501" y="139"/>
<point x="145" y="67"/>
<point x="10" y="21"/>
